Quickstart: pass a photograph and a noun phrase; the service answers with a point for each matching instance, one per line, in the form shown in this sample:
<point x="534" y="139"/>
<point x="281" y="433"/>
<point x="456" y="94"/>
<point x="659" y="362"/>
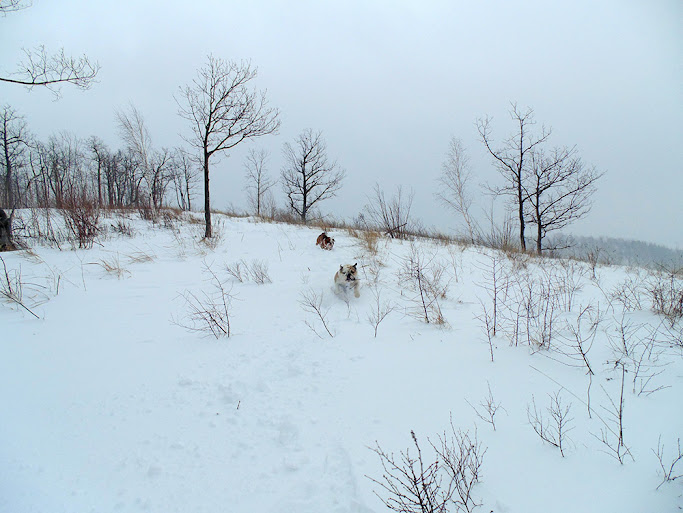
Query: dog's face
<point x="348" y="272"/>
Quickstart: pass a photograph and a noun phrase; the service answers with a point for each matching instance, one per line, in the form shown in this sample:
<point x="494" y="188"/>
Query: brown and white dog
<point x="324" y="241"/>
<point x="347" y="278"/>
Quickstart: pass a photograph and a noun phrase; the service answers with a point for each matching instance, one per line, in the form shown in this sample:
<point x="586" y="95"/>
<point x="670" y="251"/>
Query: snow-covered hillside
<point x="109" y="403"/>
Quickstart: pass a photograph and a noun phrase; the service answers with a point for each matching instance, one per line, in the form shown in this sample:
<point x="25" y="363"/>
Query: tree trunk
<point x="8" y="178"/>
<point x="99" y="184"/>
<point x="6" y="243"/>
<point x="520" y="202"/>
<point x="538" y="240"/>
<point x="207" y="203"/>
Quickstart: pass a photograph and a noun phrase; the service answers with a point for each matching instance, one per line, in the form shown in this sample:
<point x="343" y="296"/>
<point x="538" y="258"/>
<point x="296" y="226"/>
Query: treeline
<point x="65" y="169"/>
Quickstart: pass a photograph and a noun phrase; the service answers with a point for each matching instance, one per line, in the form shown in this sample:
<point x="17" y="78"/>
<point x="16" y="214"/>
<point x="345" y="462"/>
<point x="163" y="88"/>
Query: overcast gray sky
<point x="389" y="83"/>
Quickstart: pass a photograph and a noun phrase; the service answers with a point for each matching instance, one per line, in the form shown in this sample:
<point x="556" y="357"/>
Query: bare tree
<point x="100" y="155"/>
<point x="185" y="177"/>
<point x="455" y="175"/>
<point x="135" y="134"/>
<point x="65" y="167"/>
<point x="160" y="176"/>
<point x="13" y="145"/>
<point x="259" y="182"/>
<point x="559" y="187"/>
<point x="512" y="157"/>
<point x="308" y="176"/>
<point x="223" y="111"/>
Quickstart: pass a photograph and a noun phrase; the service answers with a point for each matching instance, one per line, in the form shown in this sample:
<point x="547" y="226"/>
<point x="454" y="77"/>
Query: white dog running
<point x="347" y="278"/>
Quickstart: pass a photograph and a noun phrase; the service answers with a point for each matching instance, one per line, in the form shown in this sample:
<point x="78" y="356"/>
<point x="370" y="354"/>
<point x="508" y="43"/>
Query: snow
<point x="108" y="404"/>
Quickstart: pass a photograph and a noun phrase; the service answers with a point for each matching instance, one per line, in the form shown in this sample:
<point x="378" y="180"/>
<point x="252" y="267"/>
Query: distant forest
<point x="617" y="251"/>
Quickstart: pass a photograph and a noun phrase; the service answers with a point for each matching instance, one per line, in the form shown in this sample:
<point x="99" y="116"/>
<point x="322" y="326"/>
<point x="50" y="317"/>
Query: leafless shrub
<point x="411" y="484"/>
<point x="630" y="292"/>
<point x="488" y="324"/>
<point x="82" y="218"/>
<point x="147" y="211"/>
<point x="569" y="282"/>
<point x="674" y="335"/>
<point x="501" y="236"/>
<point x="578" y="342"/>
<point x="372" y="270"/>
<point x="463" y="457"/>
<point x="581" y="336"/>
<point x="489" y="408"/>
<point x="418" y="484"/>
<point x="217" y="236"/>
<point x="612" y="435"/>
<point x="391" y="217"/>
<point x="554" y="428"/>
<point x="237" y="270"/>
<point x="12" y="288"/>
<point x="180" y="244"/>
<point x="209" y="312"/>
<point x="192" y="218"/>
<point x="646" y="364"/>
<point x="455" y="253"/>
<point x="123" y="228"/>
<point x="38" y="225"/>
<point x="668" y="470"/>
<point x="536" y="309"/>
<point x="380" y="309"/>
<point x="170" y="217"/>
<point x="665" y="288"/>
<point x="256" y="271"/>
<point x="496" y="284"/>
<point x="637" y="348"/>
<point x="594" y="256"/>
<point x="620" y="338"/>
<point x="312" y="302"/>
<point x="427" y="279"/>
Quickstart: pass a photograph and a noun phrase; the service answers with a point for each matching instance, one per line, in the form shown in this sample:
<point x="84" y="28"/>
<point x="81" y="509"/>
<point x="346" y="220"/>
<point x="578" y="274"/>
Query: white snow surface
<point x="108" y="404"/>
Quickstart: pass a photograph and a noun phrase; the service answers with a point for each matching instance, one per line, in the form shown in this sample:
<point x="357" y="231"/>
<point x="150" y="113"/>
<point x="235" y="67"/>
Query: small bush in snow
<point x="669" y="472"/>
<point x="312" y="302"/>
<point x="554" y="427"/>
<point x="416" y="483"/>
<point x="426" y="277"/>
<point x="82" y="219"/>
<point x="12" y="287"/>
<point x="666" y="293"/>
<point x="208" y="312"/>
<point x="256" y="271"/>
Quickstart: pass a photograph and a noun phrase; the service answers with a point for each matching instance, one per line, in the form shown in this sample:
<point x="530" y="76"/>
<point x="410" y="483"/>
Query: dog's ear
<point x="354" y="265"/>
<point x="341" y="267"/>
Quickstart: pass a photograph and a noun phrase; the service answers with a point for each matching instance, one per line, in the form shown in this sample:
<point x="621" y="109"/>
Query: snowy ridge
<point x="109" y="404"/>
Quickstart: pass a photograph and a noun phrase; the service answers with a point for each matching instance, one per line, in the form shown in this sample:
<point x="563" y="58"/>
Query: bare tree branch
<point x="558" y="187"/>
<point x="41" y="69"/>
